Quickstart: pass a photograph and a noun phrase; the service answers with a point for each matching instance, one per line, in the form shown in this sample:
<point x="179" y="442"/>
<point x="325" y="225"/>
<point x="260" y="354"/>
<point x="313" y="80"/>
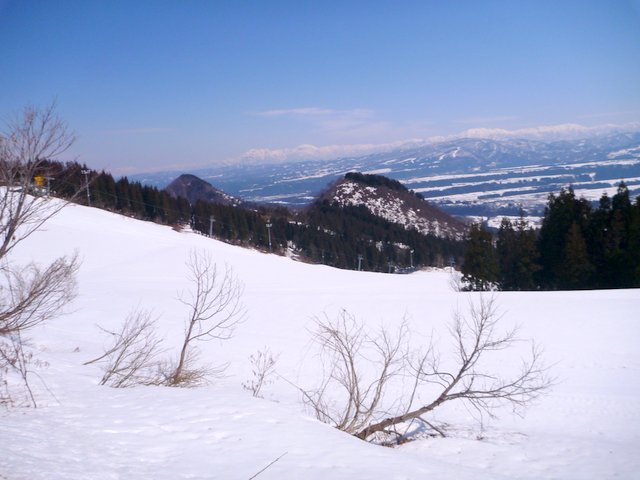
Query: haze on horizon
<point x="153" y="85"/>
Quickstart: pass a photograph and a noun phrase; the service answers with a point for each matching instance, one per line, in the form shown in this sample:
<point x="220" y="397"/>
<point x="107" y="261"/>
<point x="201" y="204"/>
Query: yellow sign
<point x="39" y="181"/>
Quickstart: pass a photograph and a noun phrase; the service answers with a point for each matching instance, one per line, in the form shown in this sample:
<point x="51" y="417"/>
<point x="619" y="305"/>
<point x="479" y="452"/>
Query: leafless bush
<point x="16" y="358"/>
<point x="475" y="336"/>
<point x="132" y="356"/>
<point x="263" y="364"/>
<point x="358" y="366"/>
<point x="215" y="310"/>
<point x="31" y="294"/>
<point x="27" y="143"/>
<point x="193" y="372"/>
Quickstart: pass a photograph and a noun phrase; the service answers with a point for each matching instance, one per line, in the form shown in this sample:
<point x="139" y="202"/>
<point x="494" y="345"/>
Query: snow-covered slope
<point x="400" y="207"/>
<point x="587" y="427"/>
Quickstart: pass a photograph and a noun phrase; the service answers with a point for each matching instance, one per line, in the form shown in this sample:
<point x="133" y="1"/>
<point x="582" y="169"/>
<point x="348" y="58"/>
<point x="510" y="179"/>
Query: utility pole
<point x="86" y="181"/>
<point x="48" y="179"/>
<point x="359" y="261"/>
<point x="211" y="220"/>
<point x="269" y="225"/>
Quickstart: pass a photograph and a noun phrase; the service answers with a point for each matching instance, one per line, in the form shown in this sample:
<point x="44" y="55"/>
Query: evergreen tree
<point x="560" y="214"/>
<point x="634" y="244"/>
<point x="480" y="268"/>
<point x="596" y="242"/>
<point x="123" y="202"/>
<point x="517" y="254"/>
<point x="621" y="241"/>
<point x="576" y="269"/>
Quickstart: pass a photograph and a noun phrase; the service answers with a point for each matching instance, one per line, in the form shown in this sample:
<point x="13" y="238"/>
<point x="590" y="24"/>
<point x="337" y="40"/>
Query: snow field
<point x="587" y="427"/>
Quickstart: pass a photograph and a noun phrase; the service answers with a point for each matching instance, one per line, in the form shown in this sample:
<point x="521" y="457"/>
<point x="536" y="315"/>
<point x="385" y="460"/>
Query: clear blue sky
<point x="155" y="84"/>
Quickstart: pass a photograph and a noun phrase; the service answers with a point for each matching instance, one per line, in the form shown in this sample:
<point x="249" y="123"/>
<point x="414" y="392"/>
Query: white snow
<point x="587" y="427"/>
<point x="517" y="171"/>
<point x="379" y="171"/>
<point x="391" y="209"/>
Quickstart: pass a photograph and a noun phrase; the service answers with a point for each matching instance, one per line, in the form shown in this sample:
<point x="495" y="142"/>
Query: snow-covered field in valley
<point x="587" y="427"/>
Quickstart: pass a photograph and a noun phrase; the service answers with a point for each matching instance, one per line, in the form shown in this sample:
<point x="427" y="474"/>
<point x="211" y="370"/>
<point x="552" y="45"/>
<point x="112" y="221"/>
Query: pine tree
<point x="507" y="251"/>
<point x="480" y="268"/>
<point x="576" y="269"/>
<point x="560" y="214"/>
<point x="517" y="255"/>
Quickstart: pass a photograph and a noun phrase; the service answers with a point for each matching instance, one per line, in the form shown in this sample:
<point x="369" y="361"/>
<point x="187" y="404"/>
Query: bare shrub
<point x="263" y="364"/>
<point x="359" y="410"/>
<point x="215" y="310"/>
<point x="14" y="358"/>
<point x="29" y="295"/>
<point x="132" y="356"/>
<point x="27" y="143"/>
<point x="358" y="368"/>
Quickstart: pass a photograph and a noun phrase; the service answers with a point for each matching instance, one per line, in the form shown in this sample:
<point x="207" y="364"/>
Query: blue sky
<point x="149" y="85"/>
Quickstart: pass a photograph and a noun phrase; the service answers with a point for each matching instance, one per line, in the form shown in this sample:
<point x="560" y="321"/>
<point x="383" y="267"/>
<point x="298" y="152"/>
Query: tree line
<point x="325" y="233"/>
<point x="578" y="246"/>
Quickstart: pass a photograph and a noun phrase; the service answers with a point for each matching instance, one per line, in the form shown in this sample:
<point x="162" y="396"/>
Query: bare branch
<point x="27" y="144"/>
<point x="263" y="365"/>
<point x="271" y="463"/>
<point x="346" y="349"/>
<point x="14" y="357"/>
<point x="131" y="359"/>
<point x="215" y="310"/>
<point x="30" y="295"/>
<point x="476" y="336"/>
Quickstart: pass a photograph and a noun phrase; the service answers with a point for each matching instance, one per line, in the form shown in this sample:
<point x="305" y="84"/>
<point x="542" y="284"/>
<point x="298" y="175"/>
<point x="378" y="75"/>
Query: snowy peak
<point x="463" y="176"/>
<point x="193" y="189"/>
<point x="390" y="200"/>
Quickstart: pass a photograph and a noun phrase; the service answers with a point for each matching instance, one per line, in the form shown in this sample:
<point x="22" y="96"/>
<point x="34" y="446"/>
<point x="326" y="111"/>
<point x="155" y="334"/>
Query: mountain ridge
<point x="467" y="176"/>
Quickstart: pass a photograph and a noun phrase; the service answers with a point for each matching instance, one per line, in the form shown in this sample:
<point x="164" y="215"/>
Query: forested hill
<point x="193" y="189"/>
<point x="578" y="246"/>
<point x="343" y="236"/>
<point x="392" y="201"/>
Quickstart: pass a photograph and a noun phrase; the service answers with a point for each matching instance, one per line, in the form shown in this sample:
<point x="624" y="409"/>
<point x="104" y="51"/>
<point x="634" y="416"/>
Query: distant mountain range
<point x="467" y="176"/>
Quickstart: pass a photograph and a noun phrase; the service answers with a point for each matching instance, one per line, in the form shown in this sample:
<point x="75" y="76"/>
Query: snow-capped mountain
<point x="393" y="202"/>
<point x="467" y="176"/>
